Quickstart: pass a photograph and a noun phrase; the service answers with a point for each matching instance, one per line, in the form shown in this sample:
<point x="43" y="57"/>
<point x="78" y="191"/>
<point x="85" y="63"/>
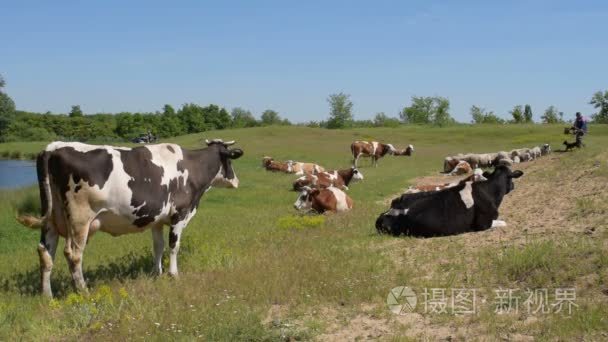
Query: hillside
<point x="247" y="273"/>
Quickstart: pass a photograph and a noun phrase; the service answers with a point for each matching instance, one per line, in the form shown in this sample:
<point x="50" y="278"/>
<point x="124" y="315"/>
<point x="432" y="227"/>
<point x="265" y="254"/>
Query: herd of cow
<point x="118" y="190"/>
<point x="483" y="160"/>
<point x="324" y="191"/>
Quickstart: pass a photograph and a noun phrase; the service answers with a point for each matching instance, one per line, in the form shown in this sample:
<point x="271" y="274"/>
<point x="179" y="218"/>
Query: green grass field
<point x="251" y="268"/>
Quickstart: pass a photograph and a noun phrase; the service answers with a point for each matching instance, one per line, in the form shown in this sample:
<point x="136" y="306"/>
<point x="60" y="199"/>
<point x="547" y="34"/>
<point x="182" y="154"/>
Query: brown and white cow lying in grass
<point x="477" y="176"/>
<point x="376" y="150"/>
<point x="462" y="168"/>
<point x="337" y="178"/>
<point x="330" y="199"/>
<point x="300" y="168"/>
<point x="271" y="165"/>
<point x="290" y="166"/>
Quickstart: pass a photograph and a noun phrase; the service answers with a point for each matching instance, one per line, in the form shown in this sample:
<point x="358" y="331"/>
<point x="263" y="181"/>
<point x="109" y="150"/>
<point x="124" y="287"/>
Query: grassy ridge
<point x="240" y="258"/>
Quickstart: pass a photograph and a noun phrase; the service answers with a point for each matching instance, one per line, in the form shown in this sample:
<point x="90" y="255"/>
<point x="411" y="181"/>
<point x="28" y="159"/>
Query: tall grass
<point x="247" y="250"/>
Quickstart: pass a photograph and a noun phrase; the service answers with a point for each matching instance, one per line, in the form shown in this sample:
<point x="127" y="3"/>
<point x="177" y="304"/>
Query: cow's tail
<point x="30" y="221"/>
<point x="44" y="186"/>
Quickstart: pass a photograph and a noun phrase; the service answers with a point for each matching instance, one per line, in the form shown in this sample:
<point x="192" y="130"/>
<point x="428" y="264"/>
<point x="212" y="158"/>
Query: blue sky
<point x="290" y="55"/>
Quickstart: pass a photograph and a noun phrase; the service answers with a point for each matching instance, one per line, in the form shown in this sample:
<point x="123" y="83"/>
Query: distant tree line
<point x="190" y="118"/>
<point x="16" y="125"/>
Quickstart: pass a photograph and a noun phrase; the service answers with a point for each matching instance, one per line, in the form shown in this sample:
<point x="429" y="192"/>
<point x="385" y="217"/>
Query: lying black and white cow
<point x="463" y="208"/>
<point x="86" y="188"/>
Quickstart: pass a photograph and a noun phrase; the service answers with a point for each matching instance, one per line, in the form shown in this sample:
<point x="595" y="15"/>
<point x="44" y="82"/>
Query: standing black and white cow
<point x="86" y="188"/>
<point x="466" y="207"/>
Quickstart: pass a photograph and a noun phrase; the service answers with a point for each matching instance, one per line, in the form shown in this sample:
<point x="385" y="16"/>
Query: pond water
<point x="17" y="173"/>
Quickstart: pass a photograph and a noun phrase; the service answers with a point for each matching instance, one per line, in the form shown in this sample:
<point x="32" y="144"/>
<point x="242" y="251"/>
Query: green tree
<point x="518" y="114"/>
<point x="429" y="109"/>
<point x="7" y="110"/>
<point x="270" y="117"/>
<point x="216" y="117"/>
<point x="477" y="114"/>
<point x="76" y="112"/>
<point x="193" y="118"/>
<point x="442" y="116"/>
<point x="382" y="120"/>
<point x="528" y="114"/>
<point x="552" y="115"/>
<point x="480" y="116"/>
<point x="420" y="111"/>
<point x="168" y="110"/>
<point x="23" y="130"/>
<point x="169" y="124"/>
<point x="243" y="118"/>
<point x="340" y="111"/>
<point x="126" y="126"/>
<point x="600" y="101"/>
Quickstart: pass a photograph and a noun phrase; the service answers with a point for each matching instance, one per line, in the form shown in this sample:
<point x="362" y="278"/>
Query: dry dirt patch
<point x="543" y="205"/>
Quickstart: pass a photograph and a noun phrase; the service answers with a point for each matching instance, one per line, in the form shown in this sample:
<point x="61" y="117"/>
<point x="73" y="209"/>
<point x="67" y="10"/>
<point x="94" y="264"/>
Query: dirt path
<point x="542" y="206"/>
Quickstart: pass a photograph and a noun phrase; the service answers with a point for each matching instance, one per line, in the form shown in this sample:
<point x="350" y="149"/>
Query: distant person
<point x="580" y="128"/>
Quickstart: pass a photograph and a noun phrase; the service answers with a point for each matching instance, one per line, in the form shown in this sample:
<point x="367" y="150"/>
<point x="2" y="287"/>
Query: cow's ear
<point x="314" y="191"/>
<point x="516" y="174"/>
<point x="235" y="153"/>
<point x="486" y="174"/>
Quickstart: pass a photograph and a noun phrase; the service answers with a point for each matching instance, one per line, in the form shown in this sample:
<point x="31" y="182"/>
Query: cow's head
<point x="478" y="175"/>
<point x="450" y="163"/>
<point x="409" y="150"/>
<point x="266" y="161"/>
<point x="546" y="149"/>
<point x="304" y="201"/>
<point x="357" y="175"/>
<point x="225" y="178"/>
<point x="504" y="176"/>
<point x="391" y="221"/>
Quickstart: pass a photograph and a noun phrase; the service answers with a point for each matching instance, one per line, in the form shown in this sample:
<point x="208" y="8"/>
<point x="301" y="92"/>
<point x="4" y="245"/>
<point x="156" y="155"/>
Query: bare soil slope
<point x="561" y="198"/>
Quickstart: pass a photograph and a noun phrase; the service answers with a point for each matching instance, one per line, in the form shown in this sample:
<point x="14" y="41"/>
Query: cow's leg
<point x="485" y="214"/>
<point x="159" y="247"/>
<point x="174" y="237"/>
<point x="178" y="223"/>
<point x="46" y="251"/>
<point x="74" y="249"/>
